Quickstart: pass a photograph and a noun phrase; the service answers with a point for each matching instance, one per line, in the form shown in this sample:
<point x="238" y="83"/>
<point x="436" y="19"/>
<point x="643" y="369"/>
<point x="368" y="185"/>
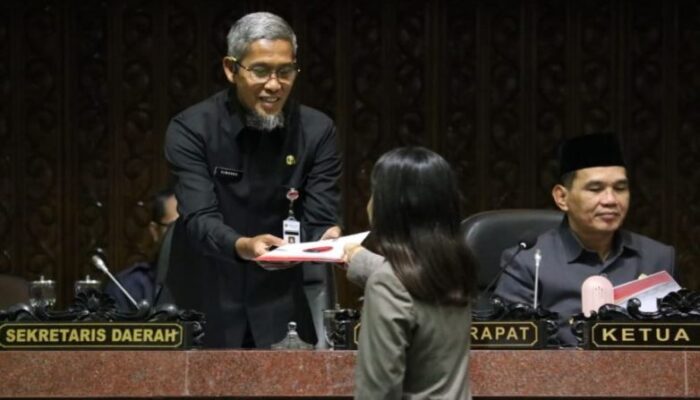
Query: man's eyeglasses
<point x="262" y="73"/>
<point x="165" y="224"/>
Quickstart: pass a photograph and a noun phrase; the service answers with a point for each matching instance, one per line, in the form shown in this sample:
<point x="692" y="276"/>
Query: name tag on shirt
<point x="228" y="173"/>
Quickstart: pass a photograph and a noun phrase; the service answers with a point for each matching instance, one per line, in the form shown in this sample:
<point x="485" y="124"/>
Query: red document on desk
<point x="647" y="290"/>
<point x="330" y="251"/>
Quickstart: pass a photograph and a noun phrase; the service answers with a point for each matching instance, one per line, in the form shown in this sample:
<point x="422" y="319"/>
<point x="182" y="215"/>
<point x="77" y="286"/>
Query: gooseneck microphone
<point x="538" y="260"/>
<point x="527" y="241"/>
<point x="102" y="267"/>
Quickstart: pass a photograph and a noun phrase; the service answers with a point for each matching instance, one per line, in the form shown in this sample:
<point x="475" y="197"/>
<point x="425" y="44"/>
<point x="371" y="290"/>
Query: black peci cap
<point x="594" y="150"/>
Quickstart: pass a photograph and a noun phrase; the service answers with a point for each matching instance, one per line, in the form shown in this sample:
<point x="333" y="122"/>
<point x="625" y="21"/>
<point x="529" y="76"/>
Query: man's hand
<point x="333" y="232"/>
<point x="251" y="247"/>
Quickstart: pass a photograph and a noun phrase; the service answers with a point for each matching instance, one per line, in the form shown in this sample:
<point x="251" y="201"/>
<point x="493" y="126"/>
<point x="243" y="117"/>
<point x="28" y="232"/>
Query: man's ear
<point x="229" y="69"/>
<point x="560" y="195"/>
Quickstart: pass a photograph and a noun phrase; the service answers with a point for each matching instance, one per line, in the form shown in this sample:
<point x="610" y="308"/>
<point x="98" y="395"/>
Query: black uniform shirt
<point x="216" y="158"/>
<point x="233" y="182"/>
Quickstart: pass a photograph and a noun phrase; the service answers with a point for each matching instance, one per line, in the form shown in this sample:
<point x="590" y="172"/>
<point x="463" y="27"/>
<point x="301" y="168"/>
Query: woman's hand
<point x="350" y="250"/>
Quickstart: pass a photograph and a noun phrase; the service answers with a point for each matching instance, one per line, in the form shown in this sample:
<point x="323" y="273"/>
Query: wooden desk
<point x="251" y="374"/>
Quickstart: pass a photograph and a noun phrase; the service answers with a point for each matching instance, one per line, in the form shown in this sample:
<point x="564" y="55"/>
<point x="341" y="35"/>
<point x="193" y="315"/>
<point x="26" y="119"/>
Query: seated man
<point x="140" y="279"/>
<point x="594" y="194"/>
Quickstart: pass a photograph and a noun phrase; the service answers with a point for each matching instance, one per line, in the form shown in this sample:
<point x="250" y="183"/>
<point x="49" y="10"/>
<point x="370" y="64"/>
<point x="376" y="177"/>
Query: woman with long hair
<point x="414" y="336"/>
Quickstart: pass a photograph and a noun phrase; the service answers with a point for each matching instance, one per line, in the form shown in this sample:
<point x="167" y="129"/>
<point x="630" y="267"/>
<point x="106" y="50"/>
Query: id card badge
<point x="291" y="231"/>
<point x="291" y="228"/>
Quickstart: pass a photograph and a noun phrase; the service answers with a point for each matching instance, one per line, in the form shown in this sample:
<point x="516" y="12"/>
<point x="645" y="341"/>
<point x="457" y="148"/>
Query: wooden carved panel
<point x="407" y="71"/>
<point x="8" y="183"/>
<point x="459" y="79"/>
<point x="317" y="83"/>
<point x="687" y="163"/>
<point x="595" y="63"/>
<point x="184" y="66"/>
<point x="367" y="89"/>
<point x="644" y="136"/>
<point x="220" y="15"/>
<point x="504" y="132"/>
<point x="551" y="93"/>
<point x="40" y="146"/>
<point x="92" y="134"/>
<point x="135" y="131"/>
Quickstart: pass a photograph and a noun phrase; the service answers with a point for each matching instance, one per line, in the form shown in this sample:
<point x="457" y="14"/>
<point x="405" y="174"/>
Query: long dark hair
<point x="416" y="225"/>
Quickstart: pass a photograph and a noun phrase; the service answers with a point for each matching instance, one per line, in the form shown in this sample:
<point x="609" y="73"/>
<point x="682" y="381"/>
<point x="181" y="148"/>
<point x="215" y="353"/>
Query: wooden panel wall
<point x="87" y="89"/>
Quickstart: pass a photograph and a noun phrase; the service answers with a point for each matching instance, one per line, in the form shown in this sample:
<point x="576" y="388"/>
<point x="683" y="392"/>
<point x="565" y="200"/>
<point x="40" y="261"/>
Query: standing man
<point x="249" y="160"/>
<point x="594" y="194"/>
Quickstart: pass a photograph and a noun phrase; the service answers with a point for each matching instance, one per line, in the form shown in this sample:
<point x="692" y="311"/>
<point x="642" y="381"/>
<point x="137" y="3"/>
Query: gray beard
<point x="265" y="123"/>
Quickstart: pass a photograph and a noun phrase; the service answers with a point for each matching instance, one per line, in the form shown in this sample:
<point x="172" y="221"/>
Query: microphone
<point x="526" y="241"/>
<point x="97" y="261"/>
<point x="596" y="291"/>
<point x="538" y="259"/>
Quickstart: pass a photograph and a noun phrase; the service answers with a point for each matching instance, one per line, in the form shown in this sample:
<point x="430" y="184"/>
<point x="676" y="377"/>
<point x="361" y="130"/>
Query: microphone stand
<point x="102" y="267"/>
<point x="480" y="300"/>
<point x="538" y="259"/>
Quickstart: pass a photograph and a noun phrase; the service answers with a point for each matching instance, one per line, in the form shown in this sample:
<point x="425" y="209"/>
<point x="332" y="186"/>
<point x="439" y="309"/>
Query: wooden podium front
<point x="320" y="374"/>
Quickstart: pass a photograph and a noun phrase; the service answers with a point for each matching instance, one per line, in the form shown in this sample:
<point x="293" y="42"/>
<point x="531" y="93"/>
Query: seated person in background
<point x="140" y="279"/>
<point x="593" y="192"/>
<point x="416" y="316"/>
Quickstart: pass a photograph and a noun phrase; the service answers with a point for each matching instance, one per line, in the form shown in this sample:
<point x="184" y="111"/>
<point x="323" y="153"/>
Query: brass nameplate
<point x="486" y="335"/>
<point x="642" y="335"/>
<point x="506" y="335"/>
<point x="90" y="335"/>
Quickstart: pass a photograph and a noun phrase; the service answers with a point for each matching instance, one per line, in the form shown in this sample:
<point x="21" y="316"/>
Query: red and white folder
<point x="647" y="290"/>
<point x="327" y="251"/>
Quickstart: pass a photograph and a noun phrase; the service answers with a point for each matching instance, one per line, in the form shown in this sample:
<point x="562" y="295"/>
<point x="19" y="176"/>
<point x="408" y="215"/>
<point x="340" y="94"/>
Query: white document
<point x="330" y="250"/>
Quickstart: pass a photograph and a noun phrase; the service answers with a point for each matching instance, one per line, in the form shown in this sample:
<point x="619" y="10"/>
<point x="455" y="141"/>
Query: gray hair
<point x="256" y="26"/>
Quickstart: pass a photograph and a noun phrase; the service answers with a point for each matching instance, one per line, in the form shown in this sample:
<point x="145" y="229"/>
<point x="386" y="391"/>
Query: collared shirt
<point x="565" y="264"/>
<point x="233" y="182"/>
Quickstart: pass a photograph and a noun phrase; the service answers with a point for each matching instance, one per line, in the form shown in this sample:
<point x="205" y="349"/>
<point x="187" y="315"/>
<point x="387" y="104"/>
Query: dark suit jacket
<point x="232" y="182"/>
<point x="408" y="349"/>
